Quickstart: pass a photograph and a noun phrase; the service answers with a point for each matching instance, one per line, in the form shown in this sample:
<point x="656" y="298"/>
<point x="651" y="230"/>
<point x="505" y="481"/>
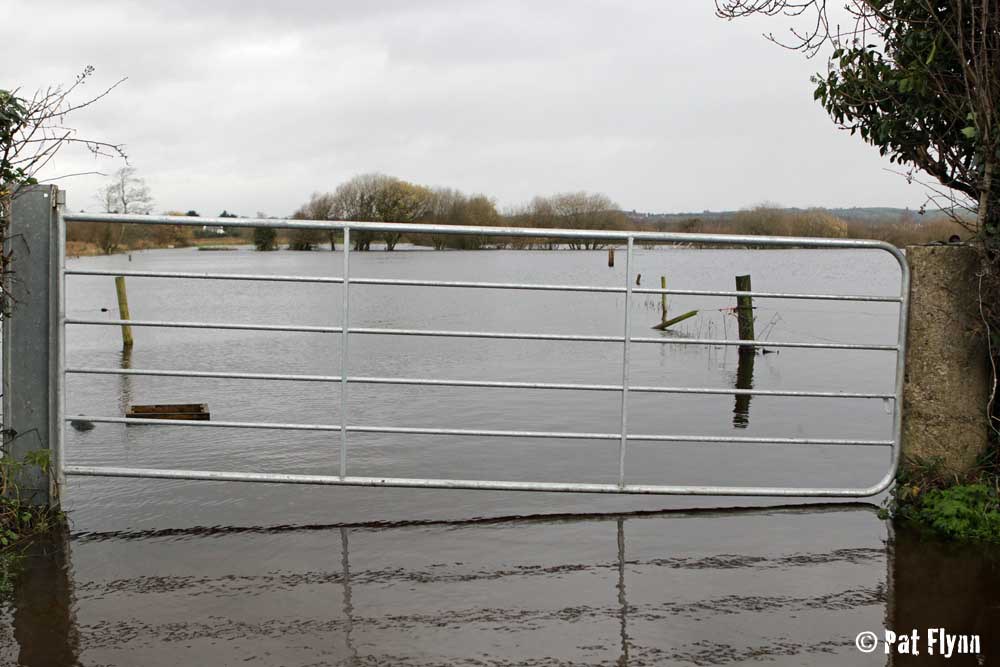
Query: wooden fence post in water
<point x="744" y="369"/>
<point x="663" y="299"/>
<point x="744" y="310"/>
<point x="664" y="322"/>
<point x="744" y="380"/>
<point x="611" y="256"/>
<point x="123" y="312"/>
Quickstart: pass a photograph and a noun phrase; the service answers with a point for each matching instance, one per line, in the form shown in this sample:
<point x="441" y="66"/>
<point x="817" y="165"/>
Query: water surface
<point x="97" y="503"/>
<point x="174" y="572"/>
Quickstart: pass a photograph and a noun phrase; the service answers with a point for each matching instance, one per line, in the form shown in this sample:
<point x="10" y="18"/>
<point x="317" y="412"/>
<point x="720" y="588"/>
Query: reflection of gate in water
<point x="742" y="392"/>
<point x="797" y="601"/>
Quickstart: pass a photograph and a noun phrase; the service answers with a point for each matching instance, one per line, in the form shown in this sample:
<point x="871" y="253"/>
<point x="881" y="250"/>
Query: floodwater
<point x="156" y="572"/>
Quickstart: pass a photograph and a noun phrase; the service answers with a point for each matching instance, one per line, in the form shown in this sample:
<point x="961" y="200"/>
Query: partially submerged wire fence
<point x="622" y="435"/>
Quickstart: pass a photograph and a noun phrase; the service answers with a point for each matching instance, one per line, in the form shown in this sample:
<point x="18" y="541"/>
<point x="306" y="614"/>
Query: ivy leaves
<point x="906" y="95"/>
<point x="13" y="116"/>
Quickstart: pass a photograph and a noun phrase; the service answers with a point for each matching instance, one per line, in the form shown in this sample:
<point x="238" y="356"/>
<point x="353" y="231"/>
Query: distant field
<point x="91" y="248"/>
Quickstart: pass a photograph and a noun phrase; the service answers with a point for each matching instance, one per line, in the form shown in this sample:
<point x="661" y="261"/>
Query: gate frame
<point x="58" y="369"/>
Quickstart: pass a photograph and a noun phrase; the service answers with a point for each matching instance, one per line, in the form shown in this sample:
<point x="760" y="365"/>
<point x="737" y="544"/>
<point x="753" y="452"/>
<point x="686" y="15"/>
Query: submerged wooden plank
<point x="197" y="416"/>
<point x="195" y="411"/>
<point x="680" y="318"/>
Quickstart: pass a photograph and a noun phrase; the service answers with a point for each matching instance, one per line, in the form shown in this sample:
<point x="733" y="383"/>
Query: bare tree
<point x="542" y="213"/>
<point x="399" y="201"/>
<point x="377" y="197"/>
<point x="444" y="208"/>
<point x="125" y="193"/>
<point x="451" y="207"/>
<point x="320" y="206"/>
<point x="576" y="210"/>
<point x="32" y="131"/>
<point x="355" y="200"/>
<point x="584" y="210"/>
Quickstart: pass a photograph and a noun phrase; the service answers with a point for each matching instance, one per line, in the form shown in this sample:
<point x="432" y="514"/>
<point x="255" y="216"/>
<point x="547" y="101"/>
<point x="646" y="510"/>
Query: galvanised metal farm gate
<point x="346" y="331"/>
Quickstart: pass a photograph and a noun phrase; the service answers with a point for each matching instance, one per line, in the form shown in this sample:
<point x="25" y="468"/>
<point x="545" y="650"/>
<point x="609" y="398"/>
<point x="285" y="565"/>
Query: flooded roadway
<point x="777" y="586"/>
<point x="174" y="572"/>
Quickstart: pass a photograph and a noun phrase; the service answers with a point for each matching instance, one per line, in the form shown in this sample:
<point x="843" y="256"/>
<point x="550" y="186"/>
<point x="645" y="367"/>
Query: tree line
<point x="376" y="197"/>
<point x="380" y="198"/>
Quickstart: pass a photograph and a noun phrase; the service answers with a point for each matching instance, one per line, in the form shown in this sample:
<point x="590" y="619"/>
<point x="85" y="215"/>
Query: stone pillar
<point x="948" y="377"/>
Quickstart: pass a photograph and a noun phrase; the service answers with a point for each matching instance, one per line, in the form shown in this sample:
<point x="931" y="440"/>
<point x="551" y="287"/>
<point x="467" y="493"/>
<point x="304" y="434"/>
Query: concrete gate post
<point x="948" y="378"/>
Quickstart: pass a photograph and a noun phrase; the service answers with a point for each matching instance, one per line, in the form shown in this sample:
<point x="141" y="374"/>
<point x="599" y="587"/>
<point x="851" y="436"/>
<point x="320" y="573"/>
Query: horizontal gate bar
<point x="617" y="339"/>
<point x="277" y="278"/>
<point x="480" y="285"/>
<point x="770" y="295"/>
<point x="474" y="383"/>
<point x="205" y="325"/>
<point x="484" y="334"/>
<point x="207" y="374"/>
<point x="459" y="230"/>
<point x="615" y="436"/>
<point x="760" y="392"/>
<point x="416" y="430"/>
<point x="768" y="343"/>
<point x="646" y="489"/>
<point x="277" y="426"/>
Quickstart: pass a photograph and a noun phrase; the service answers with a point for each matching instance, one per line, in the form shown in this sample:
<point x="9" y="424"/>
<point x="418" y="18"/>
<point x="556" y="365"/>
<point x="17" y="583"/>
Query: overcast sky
<point x="252" y="105"/>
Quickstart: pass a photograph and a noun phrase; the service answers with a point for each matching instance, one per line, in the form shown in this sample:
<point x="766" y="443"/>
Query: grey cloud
<point x="253" y="105"/>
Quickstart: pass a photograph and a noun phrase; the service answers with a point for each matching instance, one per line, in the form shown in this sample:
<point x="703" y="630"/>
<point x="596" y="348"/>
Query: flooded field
<point x="173" y="572"/>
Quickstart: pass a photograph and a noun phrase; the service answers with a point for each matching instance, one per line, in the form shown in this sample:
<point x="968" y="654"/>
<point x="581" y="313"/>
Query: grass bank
<point x="23" y="527"/>
<point x="961" y="508"/>
<point x="21" y="522"/>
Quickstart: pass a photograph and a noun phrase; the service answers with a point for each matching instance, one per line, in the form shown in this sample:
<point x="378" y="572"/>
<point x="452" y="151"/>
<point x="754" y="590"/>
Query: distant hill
<point x="881" y="214"/>
<point x="872" y="215"/>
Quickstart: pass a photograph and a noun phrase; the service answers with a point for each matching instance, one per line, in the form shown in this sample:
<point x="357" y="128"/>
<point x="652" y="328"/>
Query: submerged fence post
<point x="744" y="310"/>
<point x="664" y="322"/>
<point x="744" y="381"/>
<point x="663" y="299"/>
<point x="33" y="310"/>
<point x="123" y="313"/>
